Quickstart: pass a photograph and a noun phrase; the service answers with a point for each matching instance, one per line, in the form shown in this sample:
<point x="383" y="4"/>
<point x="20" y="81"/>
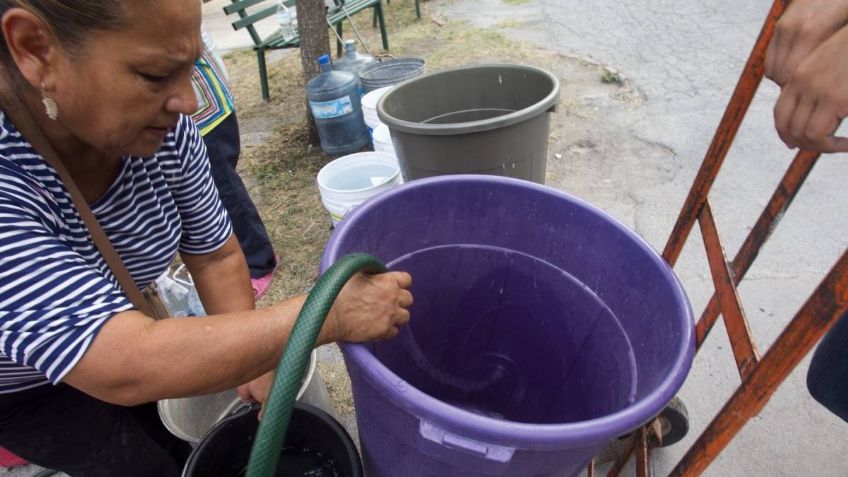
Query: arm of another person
<point x="808" y="58"/>
<point x="813" y="103"/>
<point x="804" y="26"/>
<point x="135" y="359"/>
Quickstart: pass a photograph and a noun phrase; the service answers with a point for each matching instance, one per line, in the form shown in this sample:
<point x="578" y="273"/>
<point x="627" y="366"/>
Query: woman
<point x="108" y="83"/>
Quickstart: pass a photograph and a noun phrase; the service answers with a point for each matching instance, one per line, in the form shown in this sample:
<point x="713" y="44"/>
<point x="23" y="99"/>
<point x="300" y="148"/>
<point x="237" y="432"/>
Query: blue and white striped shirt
<point x="56" y="291"/>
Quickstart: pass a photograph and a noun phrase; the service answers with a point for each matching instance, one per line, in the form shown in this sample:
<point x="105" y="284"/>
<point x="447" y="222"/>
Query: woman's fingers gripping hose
<point x="371" y="307"/>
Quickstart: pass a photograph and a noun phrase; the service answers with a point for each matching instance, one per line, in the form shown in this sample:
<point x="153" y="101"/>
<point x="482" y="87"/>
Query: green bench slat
<point x="251" y="19"/>
<point x="240" y="5"/>
<point x="335" y="16"/>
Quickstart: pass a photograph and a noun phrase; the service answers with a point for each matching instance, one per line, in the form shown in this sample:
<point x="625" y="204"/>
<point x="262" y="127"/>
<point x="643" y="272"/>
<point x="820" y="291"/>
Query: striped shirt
<point x="209" y="79"/>
<point x="56" y="291"/>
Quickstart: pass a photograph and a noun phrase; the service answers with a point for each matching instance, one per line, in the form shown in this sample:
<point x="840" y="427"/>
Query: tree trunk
<point x="314" y="42"/>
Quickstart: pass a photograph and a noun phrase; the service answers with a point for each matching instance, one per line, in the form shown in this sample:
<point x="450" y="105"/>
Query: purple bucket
<point x="542" y="329"/>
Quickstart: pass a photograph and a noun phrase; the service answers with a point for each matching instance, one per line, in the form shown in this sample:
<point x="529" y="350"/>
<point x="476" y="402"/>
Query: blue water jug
<point x="335" y="104"/>
<point x="353" y="62"/>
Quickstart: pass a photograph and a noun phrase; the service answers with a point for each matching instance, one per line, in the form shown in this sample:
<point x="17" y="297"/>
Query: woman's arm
<point x="222" y="279"/>
<point x="135" y="359"/>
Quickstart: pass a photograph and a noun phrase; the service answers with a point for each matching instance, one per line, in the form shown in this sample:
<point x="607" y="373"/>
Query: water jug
<point x="353" y="61"/>
<point x="287" y="18"/>
<point x="335" y="103"/>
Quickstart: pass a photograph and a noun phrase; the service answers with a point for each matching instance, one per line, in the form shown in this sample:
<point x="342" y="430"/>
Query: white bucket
<point x="383" y="140"/>
<point x="369" y="107"/>
<point x="350" y="180"/>
<point x="190" y="418"/>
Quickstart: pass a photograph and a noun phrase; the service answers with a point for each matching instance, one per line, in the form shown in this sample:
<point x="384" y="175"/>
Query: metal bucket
<point x="191" y="418"/>
<point x="390" y="72"/>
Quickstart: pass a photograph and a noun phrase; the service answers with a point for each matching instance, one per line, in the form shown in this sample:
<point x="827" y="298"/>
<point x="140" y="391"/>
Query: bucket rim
<point x="381" y="91"/>
<point x="497" y="431"/>
<point x="252" y="410"/>
<point x="546" y="104"/>
<point x="407" y="61"/>
<point x="349" y="157"/>
<point x="164" y="410"/>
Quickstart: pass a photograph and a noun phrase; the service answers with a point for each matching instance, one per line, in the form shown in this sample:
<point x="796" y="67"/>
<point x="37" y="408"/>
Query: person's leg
<point x="827" y="378"/>
<point x="223" y="146"/>
<point x="64" y="429"/>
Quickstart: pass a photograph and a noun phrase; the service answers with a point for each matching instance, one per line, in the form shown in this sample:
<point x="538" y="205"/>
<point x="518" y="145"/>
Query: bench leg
<point x="417" y="8"/>
<point x="263" y="75"/>
<point x="378" y="7"/>
<point x="339" y="45"/>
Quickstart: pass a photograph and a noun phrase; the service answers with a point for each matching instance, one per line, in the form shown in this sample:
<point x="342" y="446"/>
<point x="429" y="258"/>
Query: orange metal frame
<point x="760" y="375"/>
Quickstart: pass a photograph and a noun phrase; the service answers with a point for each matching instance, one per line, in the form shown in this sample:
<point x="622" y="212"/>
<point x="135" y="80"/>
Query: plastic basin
<point x="542" y="329"/>
<point x="480" y="119"/>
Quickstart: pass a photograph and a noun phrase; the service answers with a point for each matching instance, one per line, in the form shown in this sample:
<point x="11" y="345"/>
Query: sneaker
<point x="262" y="284"/>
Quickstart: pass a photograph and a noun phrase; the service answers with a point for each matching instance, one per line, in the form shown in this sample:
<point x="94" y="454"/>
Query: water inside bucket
<point x="302" y="462"/>
<point x="504" y="334"/>
<point x="363" y="177"/>
<point x="468" y="115"/>
<point x="316" y="445"/>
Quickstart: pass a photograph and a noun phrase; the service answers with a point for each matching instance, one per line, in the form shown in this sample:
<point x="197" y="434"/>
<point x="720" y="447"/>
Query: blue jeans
<point x="827" y="378"/>
<point x="223" y="146"/>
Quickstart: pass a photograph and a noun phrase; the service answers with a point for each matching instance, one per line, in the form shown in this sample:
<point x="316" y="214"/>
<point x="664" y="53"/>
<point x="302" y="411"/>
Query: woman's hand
<point x="804" y="26"/>
<point x="814" y="101"/>
<point x="257" y="390"/>
<point x="370" y="307"/>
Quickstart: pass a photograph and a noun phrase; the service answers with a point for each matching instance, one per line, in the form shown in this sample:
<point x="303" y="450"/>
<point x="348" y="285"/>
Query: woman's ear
<point x="31" y="45"/>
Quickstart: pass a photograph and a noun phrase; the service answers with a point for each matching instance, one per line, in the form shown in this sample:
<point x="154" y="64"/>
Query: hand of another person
<point x="804" y="26"/>
<point x="815" y="100"/>
<point x="257" y="390"/>
<point x="370" y="307"/>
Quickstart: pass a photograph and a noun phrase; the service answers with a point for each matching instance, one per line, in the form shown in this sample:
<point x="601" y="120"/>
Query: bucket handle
<point x="457" y="450"/>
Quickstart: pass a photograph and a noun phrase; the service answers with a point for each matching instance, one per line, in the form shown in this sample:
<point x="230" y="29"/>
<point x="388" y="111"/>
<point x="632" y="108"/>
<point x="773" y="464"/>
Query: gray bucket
<point x="191" y="418"/>
<point x="390" y="72"/>
<point x="480" y="119"/>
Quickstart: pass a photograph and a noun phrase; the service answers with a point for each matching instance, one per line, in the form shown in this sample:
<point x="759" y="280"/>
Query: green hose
<point x="290" y="371"/>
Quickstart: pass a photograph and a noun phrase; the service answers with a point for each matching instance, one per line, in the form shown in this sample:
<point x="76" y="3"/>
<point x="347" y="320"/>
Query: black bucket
<point x="315" y="445"/>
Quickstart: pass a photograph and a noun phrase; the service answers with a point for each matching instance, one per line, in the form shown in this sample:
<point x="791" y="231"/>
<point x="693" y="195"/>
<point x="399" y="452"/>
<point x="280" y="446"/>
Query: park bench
<point x="261" y="9"/>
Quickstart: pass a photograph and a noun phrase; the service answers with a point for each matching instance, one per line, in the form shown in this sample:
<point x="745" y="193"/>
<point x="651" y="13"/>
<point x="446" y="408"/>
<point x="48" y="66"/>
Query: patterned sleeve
<point x="52" y="303"/>
<point x="206" y="225"/>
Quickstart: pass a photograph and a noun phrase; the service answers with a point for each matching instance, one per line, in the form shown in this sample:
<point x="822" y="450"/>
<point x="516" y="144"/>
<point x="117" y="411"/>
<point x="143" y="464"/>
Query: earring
<point x="50" y="106"/>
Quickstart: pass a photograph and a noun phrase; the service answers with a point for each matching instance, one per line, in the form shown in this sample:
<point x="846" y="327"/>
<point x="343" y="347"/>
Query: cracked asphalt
<point x="634" y="149"/>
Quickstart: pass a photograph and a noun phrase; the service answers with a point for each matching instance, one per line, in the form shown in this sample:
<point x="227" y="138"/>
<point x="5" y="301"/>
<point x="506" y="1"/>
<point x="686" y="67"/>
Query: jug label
<point x="331" y="109"/>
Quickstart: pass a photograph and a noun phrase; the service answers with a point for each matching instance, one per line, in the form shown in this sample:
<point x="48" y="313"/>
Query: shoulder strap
<point x="25" y="123"/>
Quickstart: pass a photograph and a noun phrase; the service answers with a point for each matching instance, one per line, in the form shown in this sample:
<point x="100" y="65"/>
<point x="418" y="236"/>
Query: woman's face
<point x="123" y="91"/>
